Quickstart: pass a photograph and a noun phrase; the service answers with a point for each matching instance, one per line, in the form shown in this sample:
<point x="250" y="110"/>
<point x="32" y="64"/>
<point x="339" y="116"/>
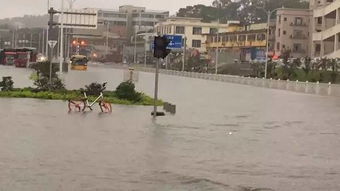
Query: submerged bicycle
<point x="82" y="104"/>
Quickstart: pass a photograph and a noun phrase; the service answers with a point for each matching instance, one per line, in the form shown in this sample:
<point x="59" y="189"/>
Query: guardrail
<point x="295" y="86"/>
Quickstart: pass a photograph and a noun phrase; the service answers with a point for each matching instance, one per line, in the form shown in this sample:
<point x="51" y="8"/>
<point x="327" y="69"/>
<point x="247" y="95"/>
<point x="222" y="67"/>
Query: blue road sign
<point x="175" y="42"/>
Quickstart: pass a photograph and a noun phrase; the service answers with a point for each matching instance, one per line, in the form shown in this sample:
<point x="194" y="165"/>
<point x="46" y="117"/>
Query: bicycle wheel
<point x="105" y="107"/>
<point x="75" y="105"/>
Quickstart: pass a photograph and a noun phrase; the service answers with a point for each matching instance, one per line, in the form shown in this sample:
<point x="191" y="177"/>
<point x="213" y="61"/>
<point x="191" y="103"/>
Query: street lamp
<point x="107" y="37"/>
<point x="269" y="13"/>
<point x="218" y="26"/>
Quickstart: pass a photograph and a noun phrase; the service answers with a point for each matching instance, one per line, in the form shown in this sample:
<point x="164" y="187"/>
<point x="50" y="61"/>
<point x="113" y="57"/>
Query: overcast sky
<point x="12" y="8"/>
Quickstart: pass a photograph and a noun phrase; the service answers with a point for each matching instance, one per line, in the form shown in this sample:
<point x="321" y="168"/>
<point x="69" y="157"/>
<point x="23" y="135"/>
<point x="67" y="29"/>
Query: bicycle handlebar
<point x="104" y="86"/>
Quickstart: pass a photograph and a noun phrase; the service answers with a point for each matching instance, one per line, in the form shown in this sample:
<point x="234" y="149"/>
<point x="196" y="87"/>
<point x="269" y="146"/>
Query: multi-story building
<point x="117" y="28"/>
<point x="326" y="28"/>
<point x="243" y="45"/>
<point x="293" y="32"/>
<point x="140" y="19"/>
<point x="192" y="29"/>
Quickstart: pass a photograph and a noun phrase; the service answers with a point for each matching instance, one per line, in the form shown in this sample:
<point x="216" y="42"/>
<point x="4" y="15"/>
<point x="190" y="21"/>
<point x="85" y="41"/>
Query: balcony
<point x="299" y="51"/>
<point x="298" y="24"/>
<point x="298" y="37"/>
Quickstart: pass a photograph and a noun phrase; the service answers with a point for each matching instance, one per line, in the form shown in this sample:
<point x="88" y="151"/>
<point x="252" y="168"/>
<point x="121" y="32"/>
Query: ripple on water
<point x="242" y="188"/>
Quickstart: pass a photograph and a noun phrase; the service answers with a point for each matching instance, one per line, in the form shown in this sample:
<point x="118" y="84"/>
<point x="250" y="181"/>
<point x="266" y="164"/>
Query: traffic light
<point x="160" y="47"/>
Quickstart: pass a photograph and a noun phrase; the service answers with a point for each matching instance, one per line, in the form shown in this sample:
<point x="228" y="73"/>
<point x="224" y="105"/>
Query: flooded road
<point x="223" y="137"/>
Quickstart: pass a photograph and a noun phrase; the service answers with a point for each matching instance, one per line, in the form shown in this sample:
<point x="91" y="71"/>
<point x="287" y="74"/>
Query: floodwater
<point x="223" y="137"/>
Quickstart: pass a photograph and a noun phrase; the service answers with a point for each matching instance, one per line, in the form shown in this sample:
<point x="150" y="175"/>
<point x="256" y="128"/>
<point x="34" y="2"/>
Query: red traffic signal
<point x="160" y="47"/>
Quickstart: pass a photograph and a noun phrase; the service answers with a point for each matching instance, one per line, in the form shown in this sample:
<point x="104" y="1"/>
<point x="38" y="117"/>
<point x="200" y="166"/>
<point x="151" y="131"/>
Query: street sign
<point x="80" y="19"/>
<point x="176" y="42"/>
<point x="52" y="43"/>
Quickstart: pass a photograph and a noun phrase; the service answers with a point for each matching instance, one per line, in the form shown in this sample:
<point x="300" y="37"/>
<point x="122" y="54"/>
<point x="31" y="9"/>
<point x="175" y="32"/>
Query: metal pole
<point x="135" y="50"/>
<point x="266" y="66"/>
<point x="47" y="46"/>
<point x="156" y="89"/>
<point x="43" y="42"/>
<point x="107" y="38"/>
<point x="145" y="51"/>
<point x="61" y="38"/>
<point x="31" y="40"/>
<point x="218" y="36"/>
<point x="47" y="33"/>
<point x="13" y="39"/>
<point x="39" y="42"/>
<point x="184" y="52"/>
<point x="50" y="77"/>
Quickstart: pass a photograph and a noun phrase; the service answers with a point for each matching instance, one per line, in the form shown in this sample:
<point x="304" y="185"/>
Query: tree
<point x="42" y="76"/>
<point x="252" y="11"/>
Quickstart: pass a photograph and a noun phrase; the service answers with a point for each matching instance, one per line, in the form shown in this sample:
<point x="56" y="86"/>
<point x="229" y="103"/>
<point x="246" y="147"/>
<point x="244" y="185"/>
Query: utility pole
<point x="218" y="38"/>
<point x="39" y="48"/>
<point x="43" y="42"/>
<point x="267" y="48"/>
<point x="107" y="37"/>
<point x="61" y="61"/>
<point x="156" y="89"/>
<point x="184" y="52"/>
<point x="31" y="40"/>
<point x="145" y="49"/>
<point x="69" y="31"/>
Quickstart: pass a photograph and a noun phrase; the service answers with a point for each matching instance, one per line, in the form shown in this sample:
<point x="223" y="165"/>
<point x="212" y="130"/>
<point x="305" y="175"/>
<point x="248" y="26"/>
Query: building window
<point x="213" y="31"/>
<point x="319" y="20"/>
<point x="242" y="38"/>
<point x="317" y="48"/>
<point x="284" y="32"/>
<point x="160" y="16"/>
<point x="285" y="19"/>
<point x="279" y="19"/>
<point x="283" y="46"/>
<point x="180" y="30"/>
<point x="251" y="37"/>
<point x="278" y="46"/>
<point x="279" y="32"/>
<point x="261" y="37"/>
<point x="298" y="21"/>
<point x="225" y="39"/>
<point x="297" y="47"/>
<point x="196" y="43"/>
<point x="233" y="38"/>
<point x="197" y="30"/>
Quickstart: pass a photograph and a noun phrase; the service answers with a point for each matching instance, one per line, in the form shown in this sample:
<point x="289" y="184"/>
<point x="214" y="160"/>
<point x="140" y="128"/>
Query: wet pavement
<point x="223" y="137"/>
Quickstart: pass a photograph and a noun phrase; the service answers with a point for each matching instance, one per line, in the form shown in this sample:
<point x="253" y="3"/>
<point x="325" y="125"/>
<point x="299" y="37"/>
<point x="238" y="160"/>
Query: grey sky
<point x="12" y="8"/>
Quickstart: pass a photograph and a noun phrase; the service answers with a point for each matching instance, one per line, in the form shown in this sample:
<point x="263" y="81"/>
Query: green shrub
<point x="94" y="89"/>
<point x="6" y="84"/>
<point x="42" y="77"/>
<point x="126" y="90"/>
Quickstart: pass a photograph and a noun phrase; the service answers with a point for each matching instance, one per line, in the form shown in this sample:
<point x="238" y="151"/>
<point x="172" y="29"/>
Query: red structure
<point x="20" y="57"/>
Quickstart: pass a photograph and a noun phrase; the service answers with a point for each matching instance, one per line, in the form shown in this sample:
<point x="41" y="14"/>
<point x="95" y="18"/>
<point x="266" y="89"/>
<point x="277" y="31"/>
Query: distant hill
<point x="27" y="21"/>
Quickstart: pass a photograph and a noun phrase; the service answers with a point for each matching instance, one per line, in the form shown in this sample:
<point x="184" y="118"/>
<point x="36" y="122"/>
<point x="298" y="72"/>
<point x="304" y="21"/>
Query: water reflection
<point x="280" y="140"/>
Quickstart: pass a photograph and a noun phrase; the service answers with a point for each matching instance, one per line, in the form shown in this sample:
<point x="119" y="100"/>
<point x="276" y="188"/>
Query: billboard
<point x="81" y="18"/>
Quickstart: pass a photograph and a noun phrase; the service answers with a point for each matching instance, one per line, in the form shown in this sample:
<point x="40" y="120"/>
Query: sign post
<point x="52" y="44"/>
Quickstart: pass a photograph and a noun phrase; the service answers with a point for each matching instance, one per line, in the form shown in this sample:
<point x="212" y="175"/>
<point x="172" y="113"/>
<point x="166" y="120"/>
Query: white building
<point x="326" y="28"/>
<point x="193" y="29"/>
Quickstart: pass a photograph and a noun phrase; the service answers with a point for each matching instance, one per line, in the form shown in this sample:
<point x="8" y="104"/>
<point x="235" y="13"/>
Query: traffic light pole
<point x="156" y="89"/>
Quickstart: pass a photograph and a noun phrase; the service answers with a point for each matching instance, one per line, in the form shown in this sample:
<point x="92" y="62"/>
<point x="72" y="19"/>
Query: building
<point x="140" y="19"/>
<point x="117" y="28"/>
<point x="192" y="29"/>
<point x="326" y="28"/>
<point x="293" y="32"/>
<point x="239" y="45"/>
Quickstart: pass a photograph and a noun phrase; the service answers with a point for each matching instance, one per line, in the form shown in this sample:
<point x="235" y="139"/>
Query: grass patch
<point x="109" y="96"/>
